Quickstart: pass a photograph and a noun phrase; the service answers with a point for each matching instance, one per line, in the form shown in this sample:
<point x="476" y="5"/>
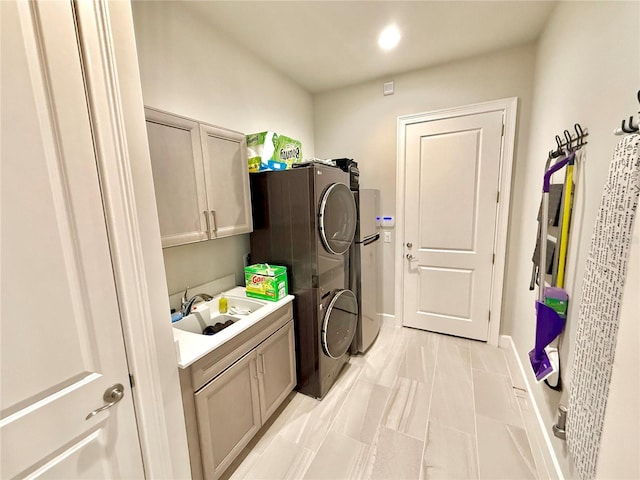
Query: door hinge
<point x="502" y="134"/>
<point x="489" y="315"/>
<point x="131" y="381"/>
<point x="498" y="197"/>
<point x="493" y="260"/>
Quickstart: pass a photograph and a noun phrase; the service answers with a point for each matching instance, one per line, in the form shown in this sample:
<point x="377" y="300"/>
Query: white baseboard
<point x="391" y="319"/>
<point x="506" y="342"/>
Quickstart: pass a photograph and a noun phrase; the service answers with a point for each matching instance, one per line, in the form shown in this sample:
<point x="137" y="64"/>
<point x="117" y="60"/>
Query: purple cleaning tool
<point x="549" y="324"/>
<point x="542" y="366"/>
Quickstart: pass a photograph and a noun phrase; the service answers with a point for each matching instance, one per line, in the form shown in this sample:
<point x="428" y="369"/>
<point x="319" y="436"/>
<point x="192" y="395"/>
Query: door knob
<point x="112" y="395"/>
<point x="409" y="244"/>
<point x="410" y="257"/>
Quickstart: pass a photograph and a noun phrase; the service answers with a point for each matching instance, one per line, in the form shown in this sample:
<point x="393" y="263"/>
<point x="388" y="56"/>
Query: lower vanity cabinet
<point x="224" y="414"/>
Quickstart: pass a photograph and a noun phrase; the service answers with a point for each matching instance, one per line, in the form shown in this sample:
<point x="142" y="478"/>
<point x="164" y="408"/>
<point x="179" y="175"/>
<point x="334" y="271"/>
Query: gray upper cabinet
<point x="178" y="177"/>
<point x="226" y="172"/>
<point x="201" y="179"/>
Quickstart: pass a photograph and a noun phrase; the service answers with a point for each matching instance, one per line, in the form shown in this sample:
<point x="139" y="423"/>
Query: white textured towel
<point x="599" y="312"/>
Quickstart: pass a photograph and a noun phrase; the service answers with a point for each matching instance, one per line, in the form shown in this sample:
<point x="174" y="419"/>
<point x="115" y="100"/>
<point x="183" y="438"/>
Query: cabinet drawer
<point x="207" y="368"/>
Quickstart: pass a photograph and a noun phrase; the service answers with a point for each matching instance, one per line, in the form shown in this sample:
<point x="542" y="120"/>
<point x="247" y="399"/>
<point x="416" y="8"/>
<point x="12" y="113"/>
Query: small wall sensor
<point x="387" y="88"/>
<point x="387" y="222"/>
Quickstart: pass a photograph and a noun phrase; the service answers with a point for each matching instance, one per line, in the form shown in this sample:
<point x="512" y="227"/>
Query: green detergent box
<point x="271" y="151"/>
<point x="266" y="282"/>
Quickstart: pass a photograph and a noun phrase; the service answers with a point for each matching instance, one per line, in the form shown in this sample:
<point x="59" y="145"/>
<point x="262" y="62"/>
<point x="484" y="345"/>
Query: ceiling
<point x="323" y="45"/>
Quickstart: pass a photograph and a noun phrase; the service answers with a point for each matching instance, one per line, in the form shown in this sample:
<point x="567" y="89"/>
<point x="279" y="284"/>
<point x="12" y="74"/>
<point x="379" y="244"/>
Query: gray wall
<point x="361" y="123"/>
<point x="587" y="71"/>
<point x="188" y="68"/>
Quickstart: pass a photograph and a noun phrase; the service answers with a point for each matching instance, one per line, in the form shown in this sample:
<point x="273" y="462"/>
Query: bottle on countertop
<point x="222" y="304"/>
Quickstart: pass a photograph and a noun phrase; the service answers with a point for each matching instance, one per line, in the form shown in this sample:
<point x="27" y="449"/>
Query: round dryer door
<point x="339" y="325"/>
<point x="337" y="218"/>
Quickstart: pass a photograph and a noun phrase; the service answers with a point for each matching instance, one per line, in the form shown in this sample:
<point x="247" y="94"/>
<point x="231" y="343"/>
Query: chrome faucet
<point x="187" y="304"/>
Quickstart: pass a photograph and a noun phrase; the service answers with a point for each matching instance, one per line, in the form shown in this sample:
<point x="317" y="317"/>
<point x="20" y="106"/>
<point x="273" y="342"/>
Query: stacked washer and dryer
<point x="305" y="218"/>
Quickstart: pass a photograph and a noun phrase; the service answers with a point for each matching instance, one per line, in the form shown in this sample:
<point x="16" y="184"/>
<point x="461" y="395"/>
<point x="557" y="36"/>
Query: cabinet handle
<point x="262" y="370"/>
<point x="213" y="220"/>
<point x="255" y="369"/>
<point x="206" y="217"/>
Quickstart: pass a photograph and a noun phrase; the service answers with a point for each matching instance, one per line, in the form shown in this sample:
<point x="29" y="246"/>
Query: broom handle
<point x="547" y="176"/>
<point x="564" y="234"/>
<point x="542" y="268"/>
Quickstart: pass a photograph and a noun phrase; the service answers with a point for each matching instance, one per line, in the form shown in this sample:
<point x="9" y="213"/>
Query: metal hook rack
<point x="570" y="143"/>
<point x="626" y="128"/>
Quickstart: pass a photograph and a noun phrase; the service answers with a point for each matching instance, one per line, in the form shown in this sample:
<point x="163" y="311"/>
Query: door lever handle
<point x="410" y="257"/>
<point x="112" y="395"/>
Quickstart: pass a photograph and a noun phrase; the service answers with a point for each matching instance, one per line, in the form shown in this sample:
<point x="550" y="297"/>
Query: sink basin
<point x="239" y="305"/>
<point x="238" y="308"/>
<point x="195" y="323"/>
<point x="192" y="345"/>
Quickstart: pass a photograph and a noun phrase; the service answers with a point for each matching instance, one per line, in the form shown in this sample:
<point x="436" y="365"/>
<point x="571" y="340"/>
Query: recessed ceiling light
<point x="389" y="38"/>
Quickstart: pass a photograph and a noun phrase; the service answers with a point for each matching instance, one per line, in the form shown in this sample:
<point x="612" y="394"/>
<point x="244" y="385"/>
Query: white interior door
<point x="61" y="343"/>
<point x="452" y="174"/>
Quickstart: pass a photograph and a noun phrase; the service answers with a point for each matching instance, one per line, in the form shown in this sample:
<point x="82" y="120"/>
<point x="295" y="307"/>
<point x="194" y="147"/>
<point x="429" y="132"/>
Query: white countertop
<point x="193" y="346"/>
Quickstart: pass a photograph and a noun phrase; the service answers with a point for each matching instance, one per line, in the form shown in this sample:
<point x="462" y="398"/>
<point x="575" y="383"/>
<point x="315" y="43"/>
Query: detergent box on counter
<point x="271" y="151"/>
<point x="266" y="282"/>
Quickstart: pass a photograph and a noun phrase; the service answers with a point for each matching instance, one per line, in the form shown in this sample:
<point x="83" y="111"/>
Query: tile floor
<point x="417" y="405"/>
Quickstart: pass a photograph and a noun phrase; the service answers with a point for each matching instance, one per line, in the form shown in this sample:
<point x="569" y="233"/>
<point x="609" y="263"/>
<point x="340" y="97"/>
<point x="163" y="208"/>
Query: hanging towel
<point x="599" y="310"/>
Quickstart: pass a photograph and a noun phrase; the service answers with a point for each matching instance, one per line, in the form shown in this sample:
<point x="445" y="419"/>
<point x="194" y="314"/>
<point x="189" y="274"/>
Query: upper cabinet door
<point x="227" y="179"/>
<point x="178" y="178"/>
